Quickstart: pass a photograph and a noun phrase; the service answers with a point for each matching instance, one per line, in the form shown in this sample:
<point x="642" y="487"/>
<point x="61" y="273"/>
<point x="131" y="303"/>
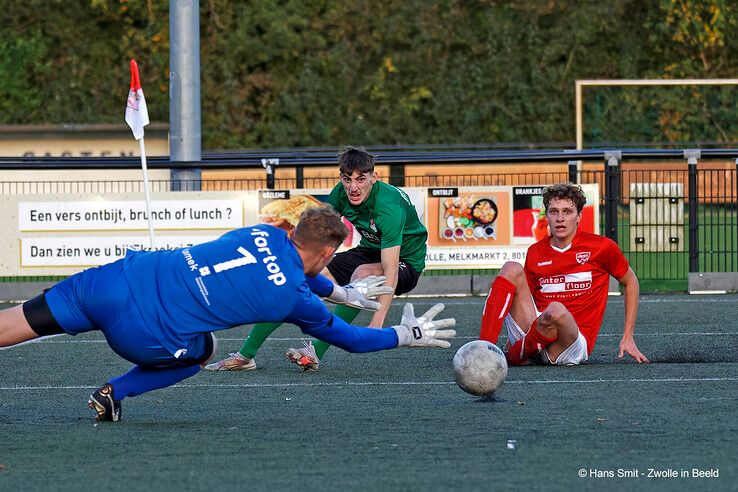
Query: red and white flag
<point x="137" y="115"/>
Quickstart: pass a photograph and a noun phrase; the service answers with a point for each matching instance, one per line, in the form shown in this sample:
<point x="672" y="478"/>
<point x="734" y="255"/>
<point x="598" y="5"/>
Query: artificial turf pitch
<point x="392" y="420"/>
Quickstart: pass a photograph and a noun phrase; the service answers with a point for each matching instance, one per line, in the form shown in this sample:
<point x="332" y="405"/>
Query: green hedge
<point x="328" y="72"/>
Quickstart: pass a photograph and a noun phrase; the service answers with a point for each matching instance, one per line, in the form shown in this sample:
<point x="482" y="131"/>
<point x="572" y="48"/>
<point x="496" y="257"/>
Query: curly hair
<point x="565" y="191"/>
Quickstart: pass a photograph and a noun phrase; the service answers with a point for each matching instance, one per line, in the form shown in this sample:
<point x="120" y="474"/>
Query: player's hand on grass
<point x="628" y="346"/>
<point x="358" y="294"/>
<point x="423" y="331"/>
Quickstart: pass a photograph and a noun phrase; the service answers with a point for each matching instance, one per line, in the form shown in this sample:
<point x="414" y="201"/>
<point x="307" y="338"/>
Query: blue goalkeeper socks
<point x="140" y="380"/>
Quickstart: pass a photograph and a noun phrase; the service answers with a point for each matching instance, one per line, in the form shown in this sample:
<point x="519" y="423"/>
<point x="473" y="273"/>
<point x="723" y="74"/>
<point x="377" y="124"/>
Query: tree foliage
<point x="285" y="73"/>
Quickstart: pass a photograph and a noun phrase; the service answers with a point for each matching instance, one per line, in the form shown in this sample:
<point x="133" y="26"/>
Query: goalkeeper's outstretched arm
<point x="358" y="294"/>
<point x="315" y="320"/>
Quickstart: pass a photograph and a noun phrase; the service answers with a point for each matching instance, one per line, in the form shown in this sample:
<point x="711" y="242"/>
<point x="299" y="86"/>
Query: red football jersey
<point x="578" y="277"/>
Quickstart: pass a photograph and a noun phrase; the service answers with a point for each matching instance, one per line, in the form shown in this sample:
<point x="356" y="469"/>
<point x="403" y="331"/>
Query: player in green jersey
<point x="393" y="246"/>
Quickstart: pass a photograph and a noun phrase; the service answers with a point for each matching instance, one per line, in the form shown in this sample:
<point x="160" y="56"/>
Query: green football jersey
<point x="386" y="218"/>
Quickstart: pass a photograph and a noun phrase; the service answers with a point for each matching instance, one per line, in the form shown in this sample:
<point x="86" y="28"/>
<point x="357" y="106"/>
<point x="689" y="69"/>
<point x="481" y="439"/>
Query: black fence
<point x="673" y="212"/>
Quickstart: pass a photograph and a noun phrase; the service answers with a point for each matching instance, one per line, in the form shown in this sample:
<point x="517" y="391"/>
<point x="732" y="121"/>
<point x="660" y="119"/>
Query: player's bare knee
<point x="545" y="327"/>
<point x="366" y="270"/>
<point x="557" y="318"/>
<point x="556" y="312"/>
<point x="513" y="271"/>
<point x="553" y="319"/>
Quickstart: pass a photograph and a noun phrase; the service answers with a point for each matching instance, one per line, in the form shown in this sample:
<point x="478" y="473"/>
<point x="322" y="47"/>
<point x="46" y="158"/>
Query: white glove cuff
<point x="339" y="294"/>
<point x="404" y="335"/>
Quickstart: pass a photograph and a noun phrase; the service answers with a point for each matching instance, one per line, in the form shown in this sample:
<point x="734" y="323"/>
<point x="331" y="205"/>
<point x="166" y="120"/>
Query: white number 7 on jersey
<point x="246" y="259"/>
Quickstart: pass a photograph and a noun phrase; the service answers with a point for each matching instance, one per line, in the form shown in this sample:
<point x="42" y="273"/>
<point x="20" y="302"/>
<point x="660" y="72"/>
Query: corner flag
<point x="137" y="117"/>
<point x="137" y="114"/>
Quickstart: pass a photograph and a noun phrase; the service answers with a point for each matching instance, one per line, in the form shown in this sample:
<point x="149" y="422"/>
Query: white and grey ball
<point x="480" y="368"/>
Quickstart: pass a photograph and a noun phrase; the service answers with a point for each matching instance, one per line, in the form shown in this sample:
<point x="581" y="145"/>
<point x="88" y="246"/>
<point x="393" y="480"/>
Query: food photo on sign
<point x="282" y="208"/>
<point x="468" y="217"/>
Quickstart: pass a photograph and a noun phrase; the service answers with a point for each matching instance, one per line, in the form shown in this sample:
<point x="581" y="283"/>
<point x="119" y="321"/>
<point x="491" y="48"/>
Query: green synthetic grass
<point x="392" y="420"/>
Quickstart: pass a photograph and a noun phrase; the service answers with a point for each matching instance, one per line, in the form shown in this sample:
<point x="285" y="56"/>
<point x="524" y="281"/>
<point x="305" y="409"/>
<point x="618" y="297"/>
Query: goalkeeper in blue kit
<point x="159" y="309"/>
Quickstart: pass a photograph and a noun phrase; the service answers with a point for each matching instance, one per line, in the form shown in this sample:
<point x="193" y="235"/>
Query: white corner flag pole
<point x="137" y="116"/>
<point x="147" y="194"/>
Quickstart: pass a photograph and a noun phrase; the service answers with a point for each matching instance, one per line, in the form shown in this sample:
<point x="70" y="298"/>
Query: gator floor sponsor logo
<point x="566" y="283"/>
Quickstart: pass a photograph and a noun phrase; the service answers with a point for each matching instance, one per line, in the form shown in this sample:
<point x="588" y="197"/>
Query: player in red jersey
<point x="553" y="307"/>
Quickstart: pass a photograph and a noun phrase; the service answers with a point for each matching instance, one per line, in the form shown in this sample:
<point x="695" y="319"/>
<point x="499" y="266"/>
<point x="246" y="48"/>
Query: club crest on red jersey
<point x="582" y="257"/>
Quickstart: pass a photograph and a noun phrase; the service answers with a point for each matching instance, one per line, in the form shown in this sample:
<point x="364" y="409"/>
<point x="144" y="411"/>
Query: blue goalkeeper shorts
<point x="100" y="299"/>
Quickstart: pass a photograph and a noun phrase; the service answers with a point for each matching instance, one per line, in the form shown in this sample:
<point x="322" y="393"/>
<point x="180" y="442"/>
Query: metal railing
<point x="673" y="212"/>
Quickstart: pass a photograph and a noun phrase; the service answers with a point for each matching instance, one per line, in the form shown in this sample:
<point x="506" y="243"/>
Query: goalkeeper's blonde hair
<point x="320" y="227"/>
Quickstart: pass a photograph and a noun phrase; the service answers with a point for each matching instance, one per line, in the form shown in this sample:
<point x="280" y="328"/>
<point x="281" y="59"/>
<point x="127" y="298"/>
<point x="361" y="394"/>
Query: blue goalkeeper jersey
<point x="248" y="275"/>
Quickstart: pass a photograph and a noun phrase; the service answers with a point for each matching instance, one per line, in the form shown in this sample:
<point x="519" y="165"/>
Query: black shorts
<point x="343" y="265"/>
<point x="39" y="317"/>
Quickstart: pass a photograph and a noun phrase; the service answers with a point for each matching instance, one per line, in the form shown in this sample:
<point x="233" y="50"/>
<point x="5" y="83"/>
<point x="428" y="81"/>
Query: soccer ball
<point x="480" y="368"/>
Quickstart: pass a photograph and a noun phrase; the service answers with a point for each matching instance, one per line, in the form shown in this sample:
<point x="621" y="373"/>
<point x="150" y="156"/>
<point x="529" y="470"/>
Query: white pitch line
<point x="475" y="300"/>
<point x="638" y="335"/>
<point x="681" y="300"/>
<point x="601" y="335"/>
<point x="636" y="380"/>
<point x="678" y="333"/>
<point x="395" y="383"/>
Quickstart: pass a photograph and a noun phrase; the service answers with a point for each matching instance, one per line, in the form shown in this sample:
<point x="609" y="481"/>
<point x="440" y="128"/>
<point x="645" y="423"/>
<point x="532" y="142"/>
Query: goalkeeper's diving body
<point x="159" y="309"/>
<point x="392" y="247"/>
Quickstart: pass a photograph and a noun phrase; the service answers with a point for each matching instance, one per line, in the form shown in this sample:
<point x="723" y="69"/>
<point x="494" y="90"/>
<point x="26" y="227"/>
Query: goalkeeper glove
<point x="423" y="331"/>
<point x="357" y="293"/>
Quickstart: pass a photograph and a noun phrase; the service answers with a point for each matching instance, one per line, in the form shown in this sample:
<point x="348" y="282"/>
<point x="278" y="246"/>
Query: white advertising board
<point x="99" y="215"/>
<point x="64" y="234"/>
<point x="87" y="251"/>
<point x="468" y="227"/>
